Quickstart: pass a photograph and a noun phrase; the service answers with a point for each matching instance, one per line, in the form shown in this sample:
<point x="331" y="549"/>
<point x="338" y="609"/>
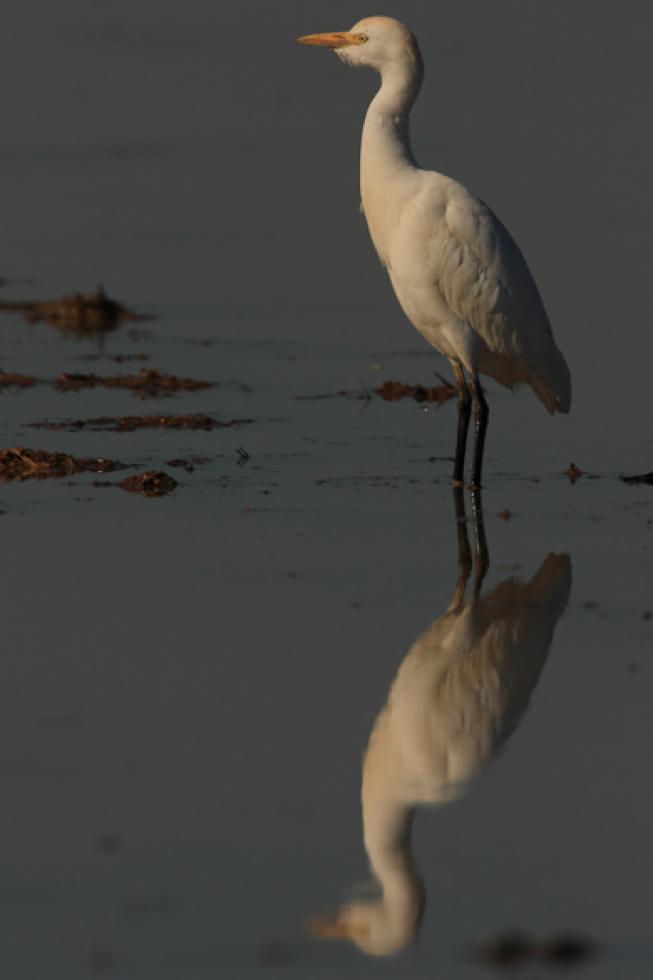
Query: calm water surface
<point x="189" y="684"/>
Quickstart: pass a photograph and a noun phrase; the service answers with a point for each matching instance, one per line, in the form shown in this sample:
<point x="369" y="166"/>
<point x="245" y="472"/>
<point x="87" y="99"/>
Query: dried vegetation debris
<point x="573" y="472"/>
<point x="8" y="379"/>
<point x="130" y="423"/>
<point x="20" y="463"/>
<point x="639" y="478"/>
<point x="393" y="391"/>
<point x="152" y="483"/>
<point x="77" y="313"/>
<point x="148" y="383"/>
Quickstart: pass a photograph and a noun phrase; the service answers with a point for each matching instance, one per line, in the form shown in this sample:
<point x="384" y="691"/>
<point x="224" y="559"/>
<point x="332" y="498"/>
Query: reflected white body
<point x="457" y="696"/>
<point x="457" y="273"/>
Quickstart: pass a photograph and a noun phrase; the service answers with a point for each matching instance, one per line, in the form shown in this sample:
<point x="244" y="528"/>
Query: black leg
<point x="464" y="412"/>
<point x="481" y="554"/>
<point x="481" y="413"/>
<point x="464" y="551"/>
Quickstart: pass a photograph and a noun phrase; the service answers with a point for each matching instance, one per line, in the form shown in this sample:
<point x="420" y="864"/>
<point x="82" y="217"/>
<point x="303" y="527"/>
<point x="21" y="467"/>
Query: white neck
<point x="389" y="110"/>
<point x="387" y="831"/>
<point x="387" y="827"/>
<point x="387" y="162"/>
<point x="387" y="120"/>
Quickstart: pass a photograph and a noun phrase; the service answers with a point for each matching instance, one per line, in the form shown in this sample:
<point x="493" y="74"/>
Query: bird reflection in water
<point x="458" y="695"/>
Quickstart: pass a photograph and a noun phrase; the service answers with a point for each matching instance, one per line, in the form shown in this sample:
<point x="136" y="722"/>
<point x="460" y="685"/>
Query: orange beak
<point x="337" y="39"/>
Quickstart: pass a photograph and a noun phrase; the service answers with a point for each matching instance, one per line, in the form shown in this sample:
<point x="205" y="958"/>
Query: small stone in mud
<point x="632" y="667"/>
<point x="20" y="463"/>
<point x="574" y="473"/>
<point x="148" y="383"/>
<point x="361" y="395"/>
<point x="189" y="463"/>
<point x="392" y="391"/>
<point x="642" y="478"/>
<point x="505" y="950"/>
<point x="566" y="949"/>
<point x="511" y="949"/>
<point x="505" y="515"/>
<point x="10" y="380"/>
<point x="152" y="483"/>
<point x="116" y="358"/>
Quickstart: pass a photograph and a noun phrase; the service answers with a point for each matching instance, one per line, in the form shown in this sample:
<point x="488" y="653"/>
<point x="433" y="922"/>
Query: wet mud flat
<point x="340" y="516"/>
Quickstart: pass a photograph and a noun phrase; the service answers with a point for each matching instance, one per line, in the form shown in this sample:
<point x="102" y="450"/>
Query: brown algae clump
<point x="130" y="423"/>
<point x="10" y="380"/>
<point x="20" y="463"/>
<point x="76" y="313"/>
<point x="148" y="383"/>
<point x="393" y="391"/>
<point x="152" y="483"/>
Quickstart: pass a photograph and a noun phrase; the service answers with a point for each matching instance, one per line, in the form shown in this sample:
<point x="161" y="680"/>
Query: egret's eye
<point x="361" y="38"/>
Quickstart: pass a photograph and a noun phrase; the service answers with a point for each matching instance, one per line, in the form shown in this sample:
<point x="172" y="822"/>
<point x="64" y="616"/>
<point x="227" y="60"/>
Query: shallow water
<point x="189" y="683"/>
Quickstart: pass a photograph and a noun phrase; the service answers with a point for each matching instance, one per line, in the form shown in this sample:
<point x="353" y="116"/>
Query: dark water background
<point x="198" y="675"/>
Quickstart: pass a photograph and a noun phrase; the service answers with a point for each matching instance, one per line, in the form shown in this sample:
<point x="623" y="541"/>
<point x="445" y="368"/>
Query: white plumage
<point x="460" y="692"/>
<point x="457" y="273"/>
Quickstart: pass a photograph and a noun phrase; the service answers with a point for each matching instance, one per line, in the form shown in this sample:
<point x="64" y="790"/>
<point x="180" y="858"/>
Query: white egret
<point x="457" y="273"/>
<point x="457" y="696"/>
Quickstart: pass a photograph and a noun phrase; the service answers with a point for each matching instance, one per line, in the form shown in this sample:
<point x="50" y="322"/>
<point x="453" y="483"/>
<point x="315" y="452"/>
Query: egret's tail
<point x="553" y="386"/>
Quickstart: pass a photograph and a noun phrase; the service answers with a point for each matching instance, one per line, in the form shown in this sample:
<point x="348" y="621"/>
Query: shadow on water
<point x="458" y="695"/>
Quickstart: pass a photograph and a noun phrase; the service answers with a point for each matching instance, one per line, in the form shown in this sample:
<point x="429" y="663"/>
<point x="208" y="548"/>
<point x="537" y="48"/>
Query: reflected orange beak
<point x="337" y="39"/>
<point x="336" y="927"/>
<point x="327" y="927"/>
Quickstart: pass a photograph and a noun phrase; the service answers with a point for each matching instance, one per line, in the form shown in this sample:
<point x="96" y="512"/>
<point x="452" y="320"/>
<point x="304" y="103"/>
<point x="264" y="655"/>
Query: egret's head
<point x="374" y="42"/>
